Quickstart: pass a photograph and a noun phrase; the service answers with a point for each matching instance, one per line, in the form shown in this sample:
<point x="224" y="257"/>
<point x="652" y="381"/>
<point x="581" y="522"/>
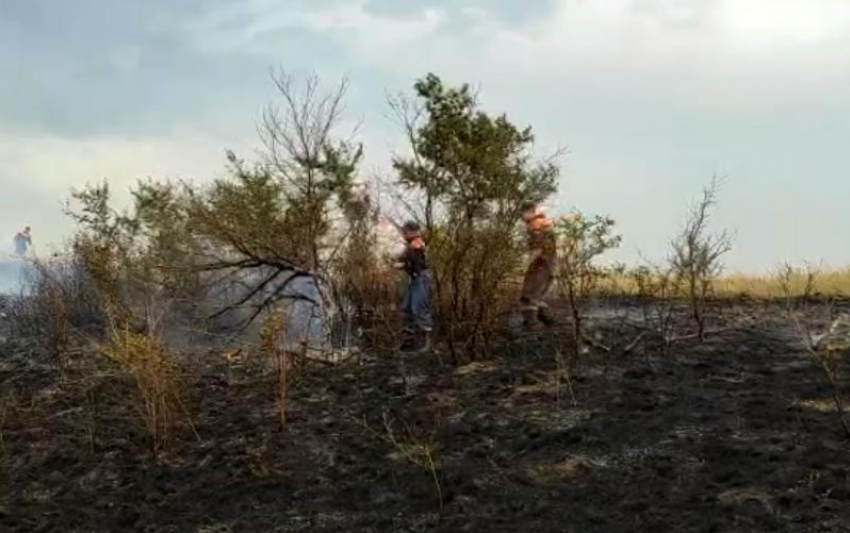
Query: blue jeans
<point x="416" y="312"/>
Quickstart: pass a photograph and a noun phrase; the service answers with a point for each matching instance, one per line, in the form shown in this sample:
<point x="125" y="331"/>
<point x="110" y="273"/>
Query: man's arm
<point x="401" y="260"/>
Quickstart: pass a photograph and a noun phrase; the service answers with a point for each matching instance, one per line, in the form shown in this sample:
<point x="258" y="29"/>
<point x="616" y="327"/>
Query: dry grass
<point x="274" y="344"/>
<point x="419" y="448"/>
<point x="156" y="375"/>
<point x="832" y="282"/>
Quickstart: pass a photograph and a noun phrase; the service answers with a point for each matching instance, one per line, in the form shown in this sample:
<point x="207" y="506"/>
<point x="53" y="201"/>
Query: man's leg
<point x="547" y="276"/>
<point x="408" y="318"/>
<point x="422" y="302"/>
<point x="534" y="286"/>
<point x="421" y="306"/>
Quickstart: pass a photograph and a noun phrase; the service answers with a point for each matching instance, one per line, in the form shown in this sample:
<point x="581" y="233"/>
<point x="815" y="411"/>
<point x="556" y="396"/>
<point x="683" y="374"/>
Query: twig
<point x="595" y="344"/>
<point x="632" y="345"/>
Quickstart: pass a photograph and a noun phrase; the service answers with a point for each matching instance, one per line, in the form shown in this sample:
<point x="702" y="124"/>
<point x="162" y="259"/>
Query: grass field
<point x="835" y="282"/>
<point x="831" y="282"/>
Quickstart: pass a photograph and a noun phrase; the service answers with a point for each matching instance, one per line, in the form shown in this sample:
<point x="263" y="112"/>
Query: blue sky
<point x="651" y="97"/>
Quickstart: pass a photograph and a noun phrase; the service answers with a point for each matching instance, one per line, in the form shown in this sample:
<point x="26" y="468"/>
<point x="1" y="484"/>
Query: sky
<point x="651" y="98"/>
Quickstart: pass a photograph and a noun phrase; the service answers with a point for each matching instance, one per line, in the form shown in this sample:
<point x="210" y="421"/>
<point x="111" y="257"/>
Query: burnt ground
<point x="736" y="434"/>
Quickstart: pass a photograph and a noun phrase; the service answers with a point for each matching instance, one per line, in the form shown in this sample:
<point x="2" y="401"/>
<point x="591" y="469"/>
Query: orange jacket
<point x="539" y="224"/>
<point x="541" y="236"/>
<point x="414" y="258"/>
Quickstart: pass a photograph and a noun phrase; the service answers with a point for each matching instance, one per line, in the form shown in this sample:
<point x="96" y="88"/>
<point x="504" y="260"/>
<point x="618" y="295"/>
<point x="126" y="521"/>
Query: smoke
<point x="13" y="273"/>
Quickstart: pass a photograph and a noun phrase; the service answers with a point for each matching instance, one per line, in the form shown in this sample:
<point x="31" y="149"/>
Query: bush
<point x="658" y="294"/>
<point x="581" y="241"/>
<point x="696" y="259"/>
<point x="159" y="396"/>
<point x="58" y="300"/>
<point x="469" y="173"/>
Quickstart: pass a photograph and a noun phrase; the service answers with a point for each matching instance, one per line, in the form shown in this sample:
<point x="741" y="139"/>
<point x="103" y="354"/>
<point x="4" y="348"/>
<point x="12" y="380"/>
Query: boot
<point x="426" y="342"/>
<point x="408" y="341"/>
<point x="545" y="317"/>
<point x="529" y="319"/>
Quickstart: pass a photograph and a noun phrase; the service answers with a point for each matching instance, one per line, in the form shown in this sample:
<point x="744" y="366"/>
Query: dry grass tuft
<point x="274" y="344"/>
<point x="156" y="375"/>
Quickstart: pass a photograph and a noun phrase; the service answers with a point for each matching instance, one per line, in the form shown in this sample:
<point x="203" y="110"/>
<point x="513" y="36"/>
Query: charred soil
<point x="734" y="434"/>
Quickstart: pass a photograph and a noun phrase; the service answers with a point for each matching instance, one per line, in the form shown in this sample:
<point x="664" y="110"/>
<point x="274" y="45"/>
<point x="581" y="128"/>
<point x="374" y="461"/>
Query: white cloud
<point x="376" y="34"/>
<point x="726" y="52"/>
<point x="376" y="37"/>
<point x="39" y="172"/>
<point x="652" y="96"/>
<point x="793" y="21"/>
<point x="721" y="52"/>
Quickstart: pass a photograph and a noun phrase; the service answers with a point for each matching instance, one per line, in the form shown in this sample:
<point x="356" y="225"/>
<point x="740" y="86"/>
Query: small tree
<point x="314" y="167"/>
<point x="581" y="240"/>
<point x="696" y="257"/>
<point x="658" y="293"/>
<point x="168" y="256"/>
<point x="144" y="254"/>
<point x="273" y="223"/>
<point x="104" y="248"/>
<point x="470" y="172"/>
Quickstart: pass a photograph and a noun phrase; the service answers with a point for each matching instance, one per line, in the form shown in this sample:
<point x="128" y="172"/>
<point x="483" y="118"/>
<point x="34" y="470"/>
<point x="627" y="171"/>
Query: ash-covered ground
<point x="736" y="434"/>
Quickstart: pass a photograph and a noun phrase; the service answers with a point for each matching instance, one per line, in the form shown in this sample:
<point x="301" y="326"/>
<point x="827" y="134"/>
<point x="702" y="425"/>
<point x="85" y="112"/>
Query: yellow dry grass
<point x="833" y="282"/>
<point x="821" y="405"/>
<point x="156" y="375"/>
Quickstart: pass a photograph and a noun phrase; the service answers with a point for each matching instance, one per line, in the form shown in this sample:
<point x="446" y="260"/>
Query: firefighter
<point x="23" y="240"/>
<point x="418" y="322"/>
<point x="542" y="244"/>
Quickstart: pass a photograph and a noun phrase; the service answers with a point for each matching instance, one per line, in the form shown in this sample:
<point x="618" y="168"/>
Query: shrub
<point x="658" y="294"/>
<point x="275" y="344"/>
<point x="581" y="241"/>
<point x="468" y="173"/>
<point x="826" y="349"/>
<point x="58" y="300"/>
<point x="158" y="388"/>
<point x="696" y="258"/>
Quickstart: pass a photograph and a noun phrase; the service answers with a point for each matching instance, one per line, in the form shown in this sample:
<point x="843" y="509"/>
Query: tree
<point x="103" y="247"/>
<point x="275" y="219"/>
<point x="163" y="229"/>
<point x="252" y="234"/>
<point x="315" y="169"/>
<point x="697" y="254"/>
<point x="472" y="172"/>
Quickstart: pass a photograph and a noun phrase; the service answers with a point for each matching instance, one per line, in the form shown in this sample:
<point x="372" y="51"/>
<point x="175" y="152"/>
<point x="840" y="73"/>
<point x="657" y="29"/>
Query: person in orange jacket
<point x="540" y="275"/>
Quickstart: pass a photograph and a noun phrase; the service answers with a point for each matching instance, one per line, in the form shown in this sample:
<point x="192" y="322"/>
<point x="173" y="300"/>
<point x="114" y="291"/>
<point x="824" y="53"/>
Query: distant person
<point x="23" y="241"/>
<point x="417" y="305"/>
